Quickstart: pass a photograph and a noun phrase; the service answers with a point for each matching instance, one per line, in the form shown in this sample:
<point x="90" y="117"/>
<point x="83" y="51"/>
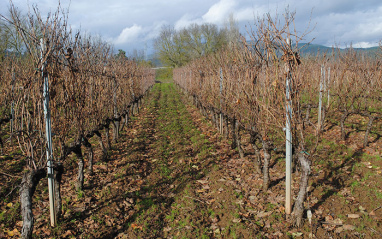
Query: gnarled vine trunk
<point x="267" y="157"/>
<point x="125" y="120"/>
<point x="226" y="130"/>
<point x="103" y="148"/>
<point x="89" y="147"/>
<point x="342" y="123"/>
<point x="28" y="186"/>
<point x="369" y="125"/>
<point x="81" y="166"/>
<point x="236" y="137"/>
<point x="257" y="160"/>
<point x="107" y="128"/>
<point x="58" y="171"/>
<point x="116" y="124"/>
<point x="298" y="209"/>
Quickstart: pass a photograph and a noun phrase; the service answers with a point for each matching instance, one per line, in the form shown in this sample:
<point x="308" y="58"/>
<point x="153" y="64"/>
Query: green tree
<point x="10" y="39"/>
<point x="121" y="54"/>
<point x="170" y="48"/>
<point x="176" y="48"/>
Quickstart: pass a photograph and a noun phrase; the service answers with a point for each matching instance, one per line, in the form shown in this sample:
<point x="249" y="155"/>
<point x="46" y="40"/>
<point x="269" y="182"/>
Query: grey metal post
<point x="288" y="147"/>
<point x="328" y="87"/>
<point x="221" y="100"/>
<point x="288" y="144"/>
<point x="12" y="104"/>
<point x="320" y="99"/>
<point x="48" y="133"/>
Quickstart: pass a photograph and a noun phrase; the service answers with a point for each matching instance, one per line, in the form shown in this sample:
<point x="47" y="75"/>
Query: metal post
<point x="320" y="99"/>
<point x="221" y="100"/>
<point x="114" y="95"/>
<point x="132" y="94"/>
<point x="328" y="85"/>
<point x="12" y="104"/>
<point x="48" y="132"/>
<point x="288" y="147"/>
<point x="288" y="144"/>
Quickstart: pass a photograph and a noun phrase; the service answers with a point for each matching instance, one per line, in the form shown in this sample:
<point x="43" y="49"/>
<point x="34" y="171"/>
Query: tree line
<point x="177" y="47"/>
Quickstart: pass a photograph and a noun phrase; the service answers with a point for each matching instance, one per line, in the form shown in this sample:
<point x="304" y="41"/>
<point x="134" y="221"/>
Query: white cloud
<point x="186" y="20"/>
<point x="218" y="14"/>
<point x="219" y="11"/>
<point x="132" y="24"/>
<point x="365" y="44"/>
<point x="154" y="30"/>
<point x="129" y="34"/>
<point x="245" y="15"/>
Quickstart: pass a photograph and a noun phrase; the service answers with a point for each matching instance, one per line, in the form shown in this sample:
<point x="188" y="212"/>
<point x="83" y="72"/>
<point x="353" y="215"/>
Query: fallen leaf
<point x="337" y="221"/>
<point x="202" y="181"/>
<point x="236" y="220"/>
<point x="263" y="214"/>
<point x="267" y="224"/>
<point x="339" y="230"/>
<point x="328" y="218"/>
<point x="252" y="211"/>
<point x="167" y="229"/>
<point x="67" y="233"/>
<point x="348" y="227"/>
<point x="214" y="219"/>
<point x="353" y="216"/>
<point x="10" y="205"/>
<point x="282" y="209"/>
<point x="297" y="234"/>
<point x="136" y="226"/>
<point x="206" y="187"/>
<point x="252" y="199"/>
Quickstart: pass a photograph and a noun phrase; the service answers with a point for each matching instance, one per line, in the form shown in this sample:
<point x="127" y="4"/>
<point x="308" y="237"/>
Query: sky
<point x="133" y="24"/>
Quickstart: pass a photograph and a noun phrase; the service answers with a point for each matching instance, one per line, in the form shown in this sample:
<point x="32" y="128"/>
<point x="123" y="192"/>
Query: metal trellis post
<point x="288" y="144"/>
<point x="48" y="133"/>
<point x="221" y="100"/>
<point x="322" y="79"/>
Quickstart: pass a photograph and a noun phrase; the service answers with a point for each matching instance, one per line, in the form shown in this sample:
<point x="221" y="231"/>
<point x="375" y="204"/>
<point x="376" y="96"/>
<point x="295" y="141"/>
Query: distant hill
<point x="314" y="49"/>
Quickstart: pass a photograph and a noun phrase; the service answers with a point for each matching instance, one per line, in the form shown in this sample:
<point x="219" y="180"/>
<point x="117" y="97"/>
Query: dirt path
<point x="166" y="178"/>
<point x="174" y="182"/>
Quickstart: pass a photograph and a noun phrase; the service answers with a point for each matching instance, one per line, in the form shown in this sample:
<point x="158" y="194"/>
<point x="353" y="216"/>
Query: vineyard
<point x="264" y="88"/>
<point x="253" y="140"/>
